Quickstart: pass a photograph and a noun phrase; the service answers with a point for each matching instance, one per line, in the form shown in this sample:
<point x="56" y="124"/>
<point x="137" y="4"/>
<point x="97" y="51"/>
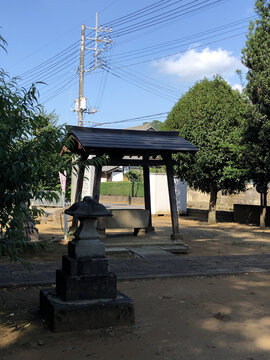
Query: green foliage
<point x="31" y="156"/>
<point x="211" y="115"/>
<point x="30" y="145"/>
<point x="158" y="169"/>
<point x="134" y="176"/>
<point x="121" y="188"/>
<point x="256" y="57"/>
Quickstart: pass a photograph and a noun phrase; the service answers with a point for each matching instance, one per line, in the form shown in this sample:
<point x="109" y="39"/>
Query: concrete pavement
<point x="146" y="263"/>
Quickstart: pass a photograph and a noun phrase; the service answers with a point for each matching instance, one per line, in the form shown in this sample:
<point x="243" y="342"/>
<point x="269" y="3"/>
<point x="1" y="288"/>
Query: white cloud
<point x="238" y="87"/>
<point x="195" y="65"/>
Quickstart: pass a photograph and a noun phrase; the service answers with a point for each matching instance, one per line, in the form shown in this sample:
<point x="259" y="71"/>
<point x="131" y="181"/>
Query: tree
<point x="210" y="115"/>
<point x="256" y="57"/>
<point x="31" y="155"/>
<point x="134" y="176"/>
<point x="30" y="145"/>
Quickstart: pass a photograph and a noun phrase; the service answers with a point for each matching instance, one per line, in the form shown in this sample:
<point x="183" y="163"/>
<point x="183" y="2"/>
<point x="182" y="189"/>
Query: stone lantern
<point x="86" y="295"/>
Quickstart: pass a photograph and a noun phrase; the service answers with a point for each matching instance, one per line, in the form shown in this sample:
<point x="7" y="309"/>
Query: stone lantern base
<point x="85" y="314"/>
<point x="85" y="296"/>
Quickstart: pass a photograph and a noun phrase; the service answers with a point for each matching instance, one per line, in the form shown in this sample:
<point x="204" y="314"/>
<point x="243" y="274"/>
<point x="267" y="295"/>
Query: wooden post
<point x="97" y="181"/>
<point x="78" y="193"/>
<point x="174" y="216"/>
<point x="147" y="196"/>
<point x="79" y="187"/>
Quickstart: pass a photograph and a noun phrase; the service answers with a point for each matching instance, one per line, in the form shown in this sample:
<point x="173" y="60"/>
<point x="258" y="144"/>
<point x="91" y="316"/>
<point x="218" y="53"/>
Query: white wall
<point x="160" y="202"/>
<point x="117" y="176"/>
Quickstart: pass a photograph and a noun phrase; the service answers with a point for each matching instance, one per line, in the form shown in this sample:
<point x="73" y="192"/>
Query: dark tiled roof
<point x="128" y="142"/>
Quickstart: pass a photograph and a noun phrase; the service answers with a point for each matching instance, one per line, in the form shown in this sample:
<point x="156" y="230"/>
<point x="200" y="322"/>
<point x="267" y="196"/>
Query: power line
<point x="51" y="59"/>
<point x="137" y="13"/>
<point x="179" y="52"/>
<point x="134" y="81"/>
<point x="155" y="14"/>
<point x="52" y="70"/>
<point x="187" y="44"/>
<point x="60" y="89"/>
<point x="70" y="53"/>
<point x="164" y="17"/>
<point x="48" y="64"/>
<point x="146" y="87"/>
<point x="195" y="37"/>
<point x="155" y="84"/>
<point x="146" y="117"/>
<point x="121" y="67"/>
<point x="144" y="21"/>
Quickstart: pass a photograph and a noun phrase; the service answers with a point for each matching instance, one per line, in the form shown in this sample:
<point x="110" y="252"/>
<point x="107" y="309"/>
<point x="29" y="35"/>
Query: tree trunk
<point x="212" y="205"/>
<point x="263" y="209"/>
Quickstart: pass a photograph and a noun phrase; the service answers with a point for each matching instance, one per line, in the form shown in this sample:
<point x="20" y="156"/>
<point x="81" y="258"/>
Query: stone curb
<point x="149" y="267"/>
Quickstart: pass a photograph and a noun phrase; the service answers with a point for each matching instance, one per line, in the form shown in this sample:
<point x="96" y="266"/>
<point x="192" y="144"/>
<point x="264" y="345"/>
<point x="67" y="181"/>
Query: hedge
<point x="121" y="188"/>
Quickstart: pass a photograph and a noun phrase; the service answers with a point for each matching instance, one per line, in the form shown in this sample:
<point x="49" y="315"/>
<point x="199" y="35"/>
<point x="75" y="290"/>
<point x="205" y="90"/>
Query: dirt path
<point x="219" y="318"/>
<point x="203" y="239"/>
<point x="189" y="318"/>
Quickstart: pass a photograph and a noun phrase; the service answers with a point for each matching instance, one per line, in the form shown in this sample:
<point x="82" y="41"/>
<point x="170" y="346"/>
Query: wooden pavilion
<point x="150" y="148"/>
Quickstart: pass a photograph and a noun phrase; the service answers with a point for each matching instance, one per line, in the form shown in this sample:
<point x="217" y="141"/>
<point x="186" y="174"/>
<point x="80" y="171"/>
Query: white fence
<point x="160" y="202"/>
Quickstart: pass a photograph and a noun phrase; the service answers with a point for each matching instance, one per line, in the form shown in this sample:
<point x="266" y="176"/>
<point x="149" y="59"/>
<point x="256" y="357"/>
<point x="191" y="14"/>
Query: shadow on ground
<point x="202" y="318"/>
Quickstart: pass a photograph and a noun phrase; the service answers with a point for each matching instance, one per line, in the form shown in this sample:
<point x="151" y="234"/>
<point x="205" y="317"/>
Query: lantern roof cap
<point x="87" y="208"/>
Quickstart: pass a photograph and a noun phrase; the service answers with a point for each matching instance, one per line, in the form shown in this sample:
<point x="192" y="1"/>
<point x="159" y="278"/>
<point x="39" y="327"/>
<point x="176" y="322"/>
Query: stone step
<point x="150" y="252"/>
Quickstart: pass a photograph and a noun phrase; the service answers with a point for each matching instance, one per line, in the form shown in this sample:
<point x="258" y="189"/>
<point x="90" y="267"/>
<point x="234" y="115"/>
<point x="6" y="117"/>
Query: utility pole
<point x="81" y="102"/>
<point x="80" y="107"/>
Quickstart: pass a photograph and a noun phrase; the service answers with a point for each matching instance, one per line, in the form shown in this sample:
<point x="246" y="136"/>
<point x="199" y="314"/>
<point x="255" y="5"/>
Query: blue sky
<point x="160" y="49"/>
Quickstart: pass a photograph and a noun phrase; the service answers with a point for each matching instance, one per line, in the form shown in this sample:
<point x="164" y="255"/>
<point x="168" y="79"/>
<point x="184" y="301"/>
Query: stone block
<point x="71" y="249"/>
<point x="69" y="265"/>
<point x="125" y="219"/>
<point x="93" y="266"/>
<point x="87" y="314"/>
<point x="71" y="288"/>
<point x="83" y="248"/>
<point x="84" y="265"/>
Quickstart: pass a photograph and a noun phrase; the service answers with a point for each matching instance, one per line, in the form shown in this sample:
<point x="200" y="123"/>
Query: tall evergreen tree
<point x="210" y="115"/>
<point x="256" y="57"/>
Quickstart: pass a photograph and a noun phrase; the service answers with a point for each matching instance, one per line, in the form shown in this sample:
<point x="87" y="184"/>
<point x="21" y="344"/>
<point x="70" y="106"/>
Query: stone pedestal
<point x="85" y="314"/>
<point x="85" y="297"/>
<point x="86" y="294"/>
<point x="85" y="278"/>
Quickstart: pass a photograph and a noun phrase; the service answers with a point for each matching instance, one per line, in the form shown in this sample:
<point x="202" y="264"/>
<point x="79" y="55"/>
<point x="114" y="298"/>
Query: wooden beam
<point x="147" y="196"/>
<point x="135" y="162"/>
<point x="174" y="216"/>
